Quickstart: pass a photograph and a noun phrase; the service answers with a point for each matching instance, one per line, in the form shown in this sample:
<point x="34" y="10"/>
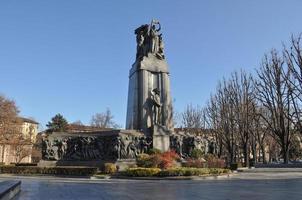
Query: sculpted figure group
<point x="184" y="145"/>
<point x="149" y="40"/>
<point x="115" y="147"/>
<point x="94" y="147"/>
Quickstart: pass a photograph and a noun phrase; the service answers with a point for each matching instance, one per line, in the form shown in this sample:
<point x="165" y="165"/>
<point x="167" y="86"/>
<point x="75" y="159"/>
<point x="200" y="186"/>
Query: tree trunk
<point x="285" y="151"/>
<point x="246" y="155"/>
<point x="263" y="154"/>
<point x="3" y="150"/>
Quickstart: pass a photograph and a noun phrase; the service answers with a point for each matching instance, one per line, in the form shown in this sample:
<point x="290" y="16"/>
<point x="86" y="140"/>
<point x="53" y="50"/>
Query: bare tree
<point x="231" y="117"/>
<point x="22" y="144"/>
<point x="11" y="131"/>
<point x="242" y="96"/>
<point x="78" y="122"/>
<point x="293" y="59"/>
<point x="274" y="95"/>
<point x="9" y="122"/>
<point x="193" y="119"/>
<point x="213" y="120"/>
<point x="103" y="120"/>
<point x="260" y="132"/>
<point x="221" y="113"/>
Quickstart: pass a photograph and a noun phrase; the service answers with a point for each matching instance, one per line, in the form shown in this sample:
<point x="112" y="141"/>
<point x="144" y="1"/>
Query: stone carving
<point x="176" y="144"/>
<point x="184" y="145"/>
<point x="149" y="40"/>
<point x="156" y="107"/>
<point x="94" y="147"/>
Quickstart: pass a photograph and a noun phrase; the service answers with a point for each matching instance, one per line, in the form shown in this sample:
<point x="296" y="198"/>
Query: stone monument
<point x="149" y="122"/>
<point x="149" y="100"/>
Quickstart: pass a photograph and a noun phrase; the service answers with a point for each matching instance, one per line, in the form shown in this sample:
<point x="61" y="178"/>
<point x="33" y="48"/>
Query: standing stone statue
<point x="154" y="36"/>
<point x="156" y="105"/>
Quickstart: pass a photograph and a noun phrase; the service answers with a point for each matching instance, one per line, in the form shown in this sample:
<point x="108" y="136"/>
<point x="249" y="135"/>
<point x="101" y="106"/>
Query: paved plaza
<point x="241" y="186"/>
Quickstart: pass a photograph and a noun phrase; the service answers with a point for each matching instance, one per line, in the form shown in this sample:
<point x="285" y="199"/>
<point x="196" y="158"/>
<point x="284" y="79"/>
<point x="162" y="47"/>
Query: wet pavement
<point x="241" y="186"/>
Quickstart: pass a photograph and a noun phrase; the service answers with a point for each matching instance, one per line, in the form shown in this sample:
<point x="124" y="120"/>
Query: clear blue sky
<point x="73" y="57"/>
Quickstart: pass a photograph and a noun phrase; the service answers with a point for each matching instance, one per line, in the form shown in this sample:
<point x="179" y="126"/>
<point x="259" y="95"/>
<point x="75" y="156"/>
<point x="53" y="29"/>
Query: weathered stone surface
<point x="93" y="147"/>
<point x="150" y="63"/>
<point x="9" y="189"/>
<point x="184" y="144"/>
<point x="149" y="73"/>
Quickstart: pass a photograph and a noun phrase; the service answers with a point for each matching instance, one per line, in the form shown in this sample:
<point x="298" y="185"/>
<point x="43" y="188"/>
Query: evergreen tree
<point x="57" y="124"/>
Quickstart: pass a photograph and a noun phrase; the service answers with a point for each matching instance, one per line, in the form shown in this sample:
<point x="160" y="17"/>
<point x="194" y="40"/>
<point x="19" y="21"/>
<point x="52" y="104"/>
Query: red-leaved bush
<point x="209" y="161"/>
<point x="213" y="162"/>
<point x="196" y="163"/>
<point x="168" y="159"/>
<point x="158" y="160"/>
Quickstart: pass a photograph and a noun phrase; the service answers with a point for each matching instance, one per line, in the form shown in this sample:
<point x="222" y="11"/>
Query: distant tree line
<point x="101" y="120"/>
<point x="249" y="115"/>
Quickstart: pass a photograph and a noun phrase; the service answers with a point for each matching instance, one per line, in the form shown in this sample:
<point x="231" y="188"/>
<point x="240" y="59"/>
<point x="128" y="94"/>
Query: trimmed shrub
<point x="196" y="154"/>
<point x="186" y="171"/>
<point x="195" y="163"/>
<point x="141" y="172"/>
<point x="110" y="168"/>
<point x="234" y="166"/>
<point x="181" y="171"/>
<point x="69" y="171"/>
<point x="148" y="161"/>
<point x="214" y="162"/>
<point x="154" y="151"/>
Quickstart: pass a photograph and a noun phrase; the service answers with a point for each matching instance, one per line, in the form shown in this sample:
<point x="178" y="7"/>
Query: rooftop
<point x="28" y="120"/>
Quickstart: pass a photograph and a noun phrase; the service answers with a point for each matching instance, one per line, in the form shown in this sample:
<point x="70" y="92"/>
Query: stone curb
<point x="223" y="176"/>
<point x="9" y="189"/>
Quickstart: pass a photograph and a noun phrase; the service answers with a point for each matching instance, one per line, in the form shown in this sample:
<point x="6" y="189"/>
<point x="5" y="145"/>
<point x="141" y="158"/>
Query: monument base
<point x="121" y="164"/>
<point x="93" y="148"/>
<point x="161" y="138"/>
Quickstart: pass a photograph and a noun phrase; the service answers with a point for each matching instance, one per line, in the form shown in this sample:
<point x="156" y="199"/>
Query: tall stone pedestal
<point x="147" y="74"/>
<point x="161" y="138"/>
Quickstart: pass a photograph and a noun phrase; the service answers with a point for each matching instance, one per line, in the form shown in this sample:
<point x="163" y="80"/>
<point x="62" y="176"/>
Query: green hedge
<point x="181" y="171"/>
<point x="141" y="172"/>
<point x="71" y="171"/>
<point x="187" y="171"/>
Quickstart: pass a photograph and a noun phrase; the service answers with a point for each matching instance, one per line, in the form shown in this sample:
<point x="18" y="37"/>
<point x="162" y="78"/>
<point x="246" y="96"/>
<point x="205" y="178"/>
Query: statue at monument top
<point x="149" y="40"/>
